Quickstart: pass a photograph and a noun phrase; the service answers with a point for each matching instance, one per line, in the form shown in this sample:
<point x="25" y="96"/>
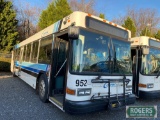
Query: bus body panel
<point x="28" y="79"/>
<point x="143" y="40"/>
<point x="96" y="88"/>
<point x="149" y="78"/>
<point x="77" y="18"/>
<point x="29" y="71"/>
<point x="78" y="107"/>
<point x="75" y="104"/>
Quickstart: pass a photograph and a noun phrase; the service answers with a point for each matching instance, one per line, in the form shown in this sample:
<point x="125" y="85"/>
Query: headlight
<point x="150" y="85"/>
<point x="84" y="92"/>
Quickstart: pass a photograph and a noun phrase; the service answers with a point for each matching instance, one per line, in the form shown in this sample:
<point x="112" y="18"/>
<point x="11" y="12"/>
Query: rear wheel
<point x="43" y="88"/>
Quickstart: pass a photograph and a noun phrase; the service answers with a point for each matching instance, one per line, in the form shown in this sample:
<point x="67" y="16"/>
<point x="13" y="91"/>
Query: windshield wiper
<point x="99" y="76"/>
<point x="115" y="61"/>
<point x="158" y="74"/>
<point x="109" y="62"/>
<point x="99" y="68"/>
<point x="114" y="57"/>
<point x="109" y="50"/>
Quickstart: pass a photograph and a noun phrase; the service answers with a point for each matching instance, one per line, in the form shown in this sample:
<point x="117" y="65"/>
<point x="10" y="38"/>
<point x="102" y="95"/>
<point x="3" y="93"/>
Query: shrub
<point x="5" y="64"/>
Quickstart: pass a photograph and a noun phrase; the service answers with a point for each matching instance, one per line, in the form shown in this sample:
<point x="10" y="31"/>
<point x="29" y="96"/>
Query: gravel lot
<point x="19" y="101"/>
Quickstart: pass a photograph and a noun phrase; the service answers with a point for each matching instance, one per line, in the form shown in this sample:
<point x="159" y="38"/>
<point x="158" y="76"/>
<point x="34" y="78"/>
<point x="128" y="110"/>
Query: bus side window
<point x="17" y="54"/>
<point x="45" y="50"/>
<point x="34" y="51"/>
<point x="24" y="53"/>
<point x="28" y="51"/>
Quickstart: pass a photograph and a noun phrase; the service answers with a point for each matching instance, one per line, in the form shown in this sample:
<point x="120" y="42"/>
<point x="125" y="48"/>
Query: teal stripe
<point x="16" y="46"/>
<point x="33" y="65"/>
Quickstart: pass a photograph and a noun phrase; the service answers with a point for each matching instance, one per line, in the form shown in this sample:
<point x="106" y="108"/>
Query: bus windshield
<point x="151" y="62"/>
<point x="95" y="53"/>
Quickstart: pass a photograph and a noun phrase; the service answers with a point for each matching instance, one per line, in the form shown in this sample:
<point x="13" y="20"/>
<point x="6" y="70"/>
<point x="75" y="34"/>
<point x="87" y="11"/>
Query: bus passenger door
<point x="135" y="70"/>
<point x="58" y="70"/>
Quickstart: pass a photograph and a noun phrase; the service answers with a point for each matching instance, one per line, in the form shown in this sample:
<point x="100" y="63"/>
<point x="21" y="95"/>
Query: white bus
<point x="81" y="64"/>
<point x="146" y="67"/>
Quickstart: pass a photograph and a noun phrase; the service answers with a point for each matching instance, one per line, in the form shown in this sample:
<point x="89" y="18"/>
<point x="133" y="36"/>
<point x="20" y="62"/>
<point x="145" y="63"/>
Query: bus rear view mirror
<point x="73" y="32"/>
<point x="145" y="50"/>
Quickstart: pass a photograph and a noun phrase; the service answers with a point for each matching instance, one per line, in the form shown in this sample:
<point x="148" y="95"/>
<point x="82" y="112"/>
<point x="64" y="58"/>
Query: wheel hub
<point x="42" y="88"/>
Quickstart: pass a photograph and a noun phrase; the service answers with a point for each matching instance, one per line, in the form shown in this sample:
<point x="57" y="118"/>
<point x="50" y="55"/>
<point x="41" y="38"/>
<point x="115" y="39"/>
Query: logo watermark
<point x="141" y="111"/>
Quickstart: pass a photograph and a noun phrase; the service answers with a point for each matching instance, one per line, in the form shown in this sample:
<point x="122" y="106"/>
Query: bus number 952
<point x="81" y="83"/>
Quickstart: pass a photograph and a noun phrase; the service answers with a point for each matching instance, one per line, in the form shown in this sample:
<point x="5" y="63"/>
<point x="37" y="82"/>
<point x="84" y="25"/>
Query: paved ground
<point x="18" y="101"/>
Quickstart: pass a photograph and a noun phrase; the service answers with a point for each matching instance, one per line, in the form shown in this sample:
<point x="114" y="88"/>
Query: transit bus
<point x="81" y="64"/>
<point x="146" y="67"/>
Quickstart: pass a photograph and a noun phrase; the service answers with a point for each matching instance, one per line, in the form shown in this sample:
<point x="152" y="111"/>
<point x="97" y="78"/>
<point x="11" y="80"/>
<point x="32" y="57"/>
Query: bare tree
<point x="28" y="17"/>
<point x="87" y="6"/>
<point x="143" y="18"/>
<point x="119" y="20"/>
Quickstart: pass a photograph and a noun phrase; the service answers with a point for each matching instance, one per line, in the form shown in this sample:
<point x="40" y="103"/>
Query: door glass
<point x="60" y="67"/>
<point x="61" y="54"/>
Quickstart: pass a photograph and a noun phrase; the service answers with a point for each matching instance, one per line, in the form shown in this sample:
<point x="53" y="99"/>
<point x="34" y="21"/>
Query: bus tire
<point x="13" y="73"/>
<point x="43" y="88"/>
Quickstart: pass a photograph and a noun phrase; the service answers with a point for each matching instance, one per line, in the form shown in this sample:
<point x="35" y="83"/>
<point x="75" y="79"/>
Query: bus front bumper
<point x="149" y="94"/>
<point x="78" y="107"/>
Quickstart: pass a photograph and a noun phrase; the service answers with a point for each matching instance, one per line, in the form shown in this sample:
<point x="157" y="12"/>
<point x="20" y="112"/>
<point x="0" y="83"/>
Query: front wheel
<point x="43" y="88"/>
<point x="13" y="73"/>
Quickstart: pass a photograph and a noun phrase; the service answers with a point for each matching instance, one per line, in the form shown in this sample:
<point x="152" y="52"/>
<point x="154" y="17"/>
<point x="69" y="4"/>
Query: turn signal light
<point x="104" y="20"/>
<point x="110" y="23"/>
<point x="89" y="15"/>
<point x="70" y="91"/>
<point x="142" y="85"/>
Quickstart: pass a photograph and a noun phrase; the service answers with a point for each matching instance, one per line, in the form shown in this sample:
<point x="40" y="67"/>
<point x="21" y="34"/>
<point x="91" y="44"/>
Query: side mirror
<point x="73" y="32"/>
<point x="145" y="50"/>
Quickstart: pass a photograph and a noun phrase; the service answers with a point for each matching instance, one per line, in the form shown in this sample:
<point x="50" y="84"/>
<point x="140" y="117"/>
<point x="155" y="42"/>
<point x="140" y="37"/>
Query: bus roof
<point x="142" y="40"/>
<point x="77" y="18"/>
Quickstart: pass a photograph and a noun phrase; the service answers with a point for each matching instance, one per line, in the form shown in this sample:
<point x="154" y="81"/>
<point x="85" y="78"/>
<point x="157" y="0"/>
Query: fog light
<point x="87" y="92"/>
<point x="81" y="92"/>
<point x="84" y="92"/>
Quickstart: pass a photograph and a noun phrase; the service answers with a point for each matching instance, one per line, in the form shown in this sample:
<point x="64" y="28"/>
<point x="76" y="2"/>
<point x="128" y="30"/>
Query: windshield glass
<point x="151" y="62"/>
<point x="98" y="53"/>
